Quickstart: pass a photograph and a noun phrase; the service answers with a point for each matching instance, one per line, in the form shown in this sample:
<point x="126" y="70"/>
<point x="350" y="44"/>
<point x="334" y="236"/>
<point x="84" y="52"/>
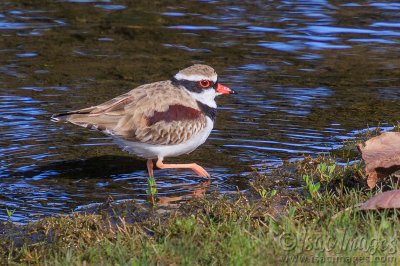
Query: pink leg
<point x="150" y="167"/>
<point x="195" y="167"/>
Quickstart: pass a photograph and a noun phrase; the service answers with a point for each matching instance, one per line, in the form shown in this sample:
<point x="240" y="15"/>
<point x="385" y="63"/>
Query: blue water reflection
<point x="310" y="74"/>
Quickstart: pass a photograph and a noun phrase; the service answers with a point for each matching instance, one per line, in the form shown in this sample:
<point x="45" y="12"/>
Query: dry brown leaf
<point x="381" y="155"/>
<point x="385" y="200"/>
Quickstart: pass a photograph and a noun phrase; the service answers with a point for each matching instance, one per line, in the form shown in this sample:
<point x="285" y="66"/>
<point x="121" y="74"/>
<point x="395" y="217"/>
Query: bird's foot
<point x="193" y="166"/>
<point x="200" y="170"/>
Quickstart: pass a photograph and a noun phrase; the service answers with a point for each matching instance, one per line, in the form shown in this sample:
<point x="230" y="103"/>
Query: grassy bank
<point x="299" y="214"/>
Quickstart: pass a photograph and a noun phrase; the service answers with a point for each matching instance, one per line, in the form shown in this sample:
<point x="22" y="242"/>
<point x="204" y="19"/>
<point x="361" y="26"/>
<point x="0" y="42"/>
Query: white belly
<point x="150" y="151"/>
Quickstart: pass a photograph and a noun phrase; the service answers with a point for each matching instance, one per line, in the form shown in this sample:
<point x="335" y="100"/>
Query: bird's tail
<point x="66" y="117"/>
<point x="88" y="119"/>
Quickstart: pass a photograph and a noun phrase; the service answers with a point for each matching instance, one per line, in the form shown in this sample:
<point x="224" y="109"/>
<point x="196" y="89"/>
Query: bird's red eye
<point x="204" y="83"/>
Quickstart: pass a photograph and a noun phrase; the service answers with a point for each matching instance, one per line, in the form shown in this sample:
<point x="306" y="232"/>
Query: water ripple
<point x="310" y="74"/>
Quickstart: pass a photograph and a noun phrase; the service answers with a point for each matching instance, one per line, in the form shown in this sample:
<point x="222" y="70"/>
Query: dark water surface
<point x="309" y="74"/>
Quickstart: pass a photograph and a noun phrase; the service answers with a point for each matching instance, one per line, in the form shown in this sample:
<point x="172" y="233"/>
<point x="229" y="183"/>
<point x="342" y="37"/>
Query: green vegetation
<point x="311" y="188"/>
<point x="276" y="221"/>
<point x="9" y="214"/>
<point x="151" y="191"/>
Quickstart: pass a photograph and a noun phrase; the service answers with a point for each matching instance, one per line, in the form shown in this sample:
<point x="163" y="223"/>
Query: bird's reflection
<point x="198" y="190"/>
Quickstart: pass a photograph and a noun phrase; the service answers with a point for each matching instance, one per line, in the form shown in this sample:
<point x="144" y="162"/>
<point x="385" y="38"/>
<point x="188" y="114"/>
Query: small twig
<point x="345" y="210"/>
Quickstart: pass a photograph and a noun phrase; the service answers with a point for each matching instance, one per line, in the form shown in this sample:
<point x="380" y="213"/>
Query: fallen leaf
<point x="385" y="200"/>
<point x="381" y="155"/>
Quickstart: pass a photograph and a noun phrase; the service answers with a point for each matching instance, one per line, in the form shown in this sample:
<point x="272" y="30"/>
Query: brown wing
<point x="151" y="113"/>
<point x="175" y="125"/>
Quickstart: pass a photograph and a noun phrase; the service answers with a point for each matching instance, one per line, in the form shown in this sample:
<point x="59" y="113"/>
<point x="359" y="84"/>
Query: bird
<point x="161" y="119"/>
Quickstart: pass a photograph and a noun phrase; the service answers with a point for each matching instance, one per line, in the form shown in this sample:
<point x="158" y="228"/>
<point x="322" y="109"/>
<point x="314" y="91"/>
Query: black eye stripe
<point x="193" y="86"/>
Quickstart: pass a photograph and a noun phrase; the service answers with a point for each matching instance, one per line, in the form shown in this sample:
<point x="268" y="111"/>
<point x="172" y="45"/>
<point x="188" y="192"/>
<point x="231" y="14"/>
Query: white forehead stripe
<point x="195" y="77"/>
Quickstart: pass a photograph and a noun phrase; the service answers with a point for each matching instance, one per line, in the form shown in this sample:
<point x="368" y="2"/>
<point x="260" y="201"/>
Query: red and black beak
<point x="224" y="89"/>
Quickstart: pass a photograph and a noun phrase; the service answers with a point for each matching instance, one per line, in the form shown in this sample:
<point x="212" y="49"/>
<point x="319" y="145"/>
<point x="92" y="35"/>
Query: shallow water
<point x="309" y="74"/>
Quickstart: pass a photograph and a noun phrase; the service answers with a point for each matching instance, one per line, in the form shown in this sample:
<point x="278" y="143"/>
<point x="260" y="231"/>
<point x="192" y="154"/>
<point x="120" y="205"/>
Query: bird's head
<point x="202" y="83"/>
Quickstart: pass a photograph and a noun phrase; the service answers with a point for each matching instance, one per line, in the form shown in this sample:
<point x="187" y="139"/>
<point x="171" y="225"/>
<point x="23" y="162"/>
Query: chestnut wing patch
<point x="176" y="125"/>
<point x="175" y="112"/>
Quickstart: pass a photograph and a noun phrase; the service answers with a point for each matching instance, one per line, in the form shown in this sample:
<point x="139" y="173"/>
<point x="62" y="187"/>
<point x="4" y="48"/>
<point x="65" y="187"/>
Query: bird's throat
<point x="211" y="112"/>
